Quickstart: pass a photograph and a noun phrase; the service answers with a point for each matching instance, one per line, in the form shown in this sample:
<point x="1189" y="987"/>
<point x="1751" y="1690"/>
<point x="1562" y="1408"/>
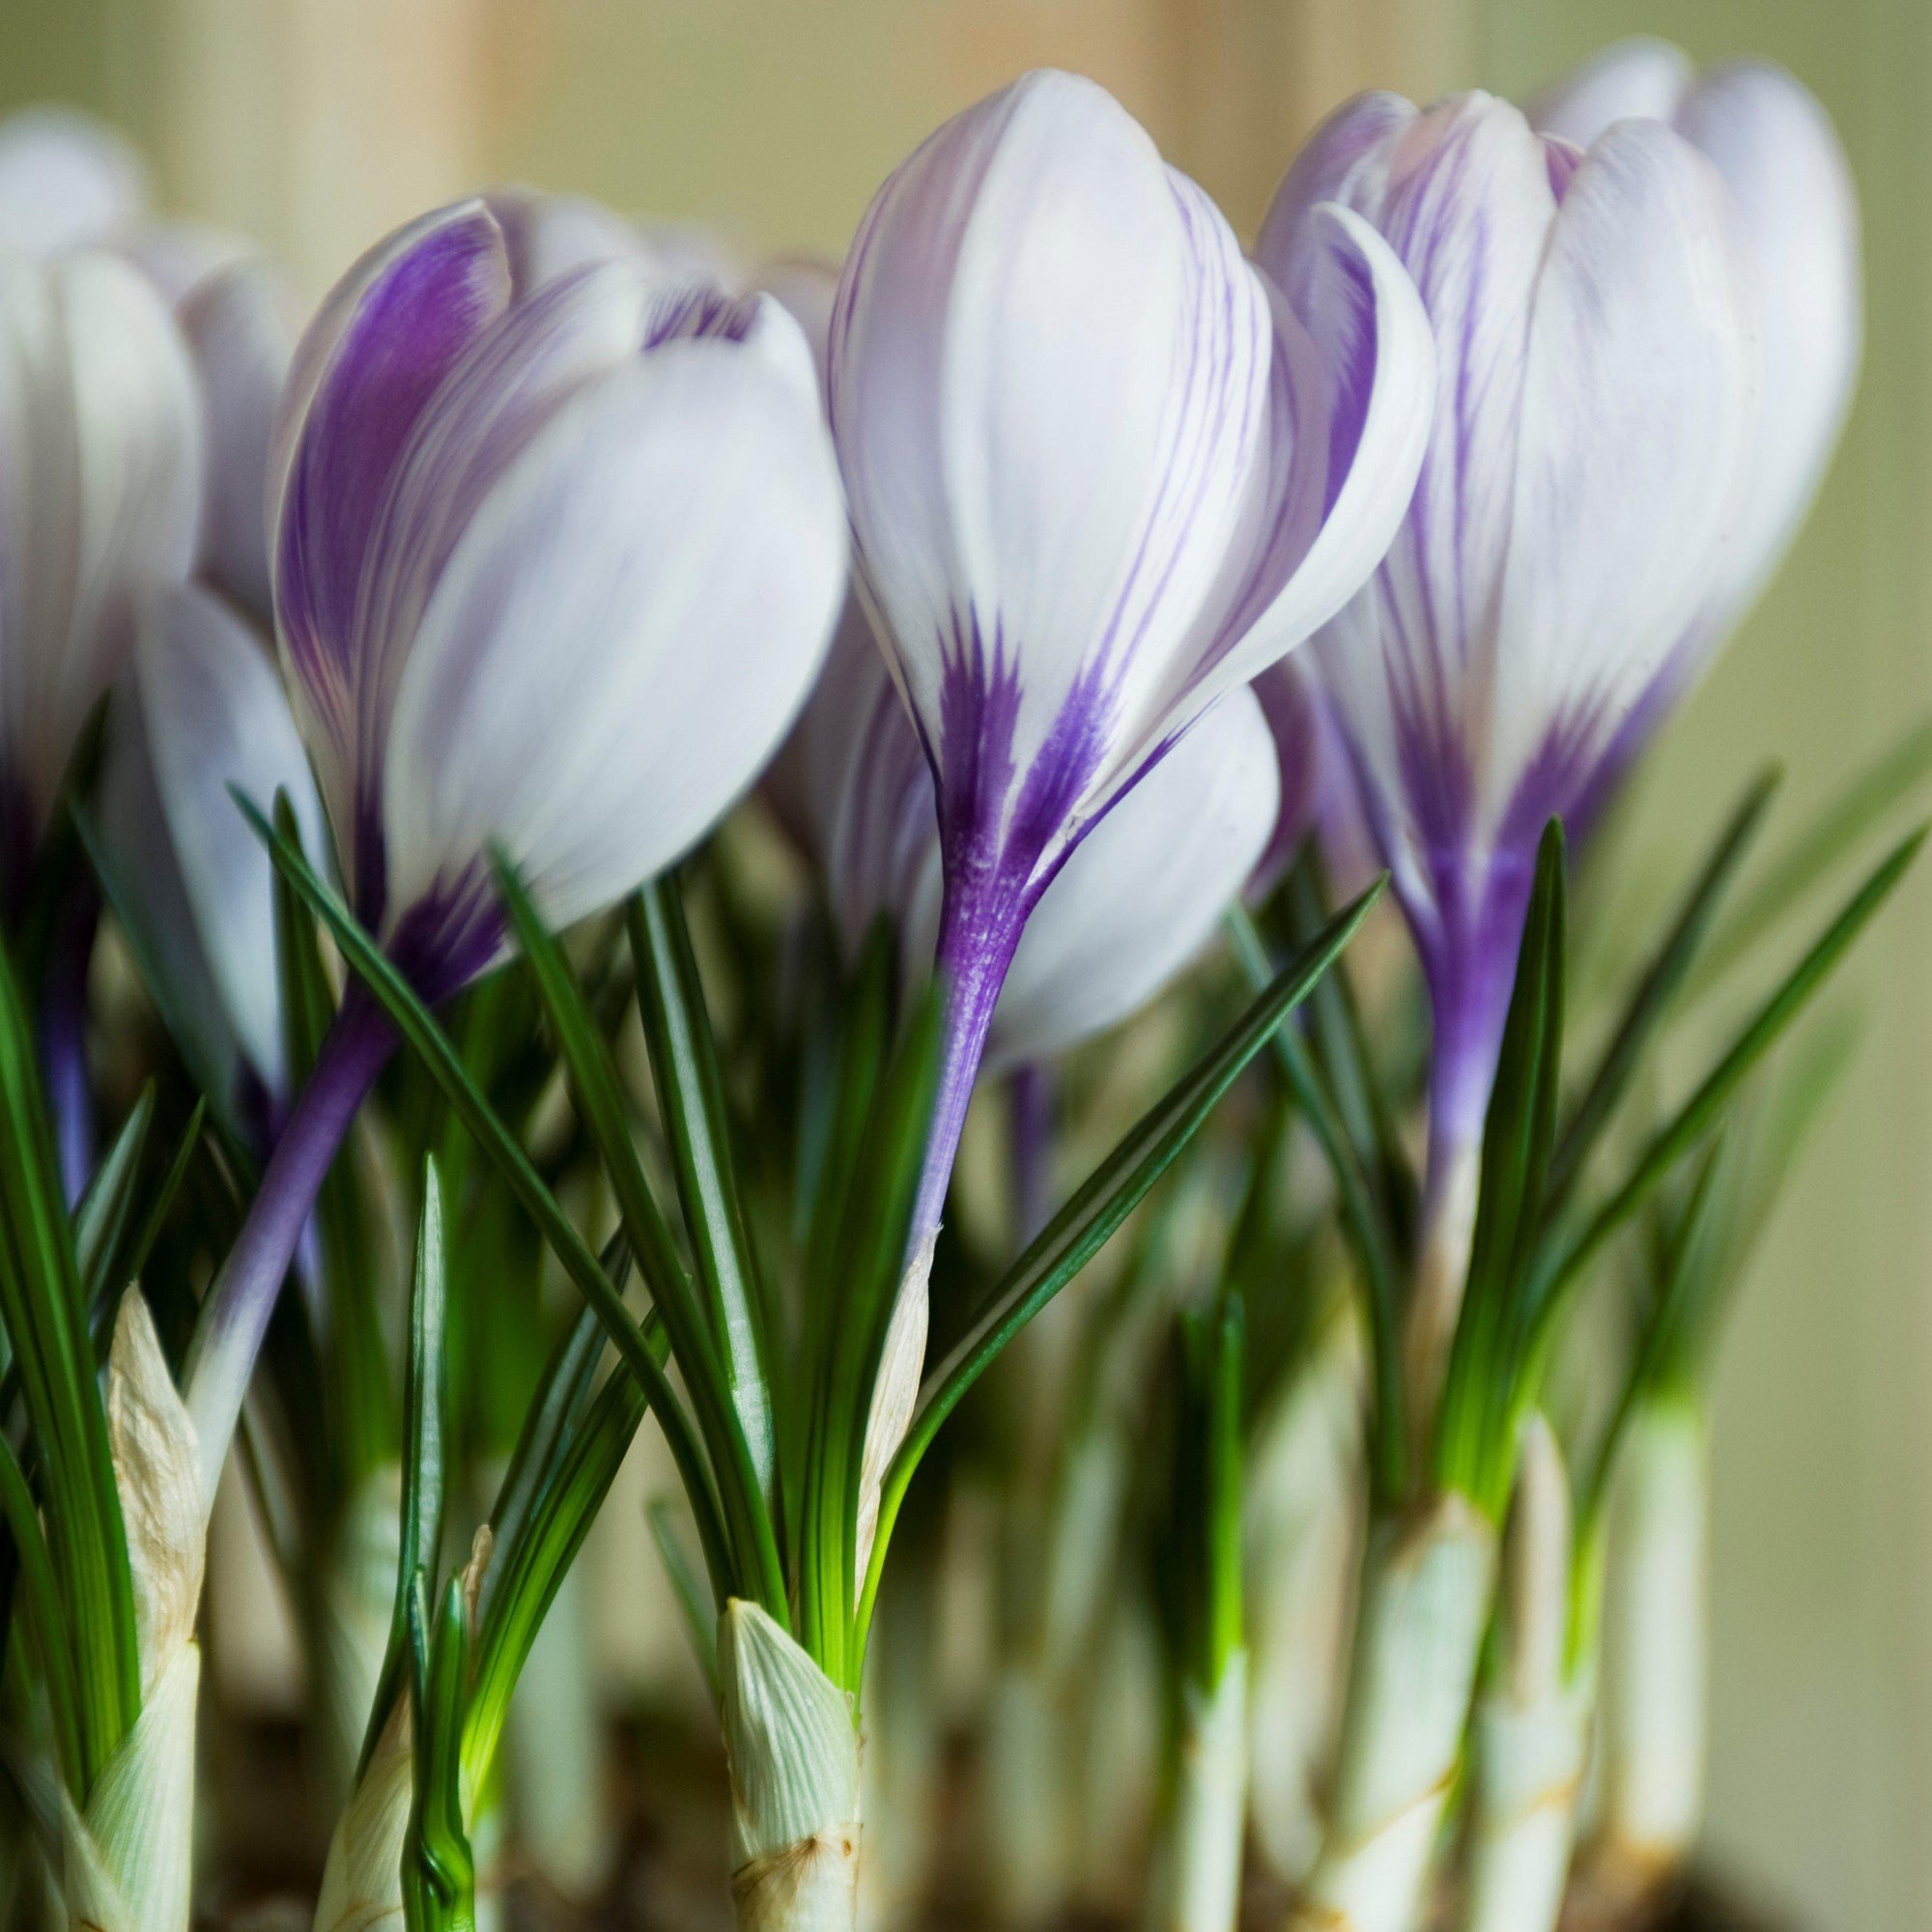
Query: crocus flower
<point x="205" y="711"/>
<point x="99" y="495"/>
<point x="1795" y="219"/>
<point x="1593" y="410"/>
<point x="1100" y="474"/>
<point x="1133" y="905"/>
<point x="553" y="570"/>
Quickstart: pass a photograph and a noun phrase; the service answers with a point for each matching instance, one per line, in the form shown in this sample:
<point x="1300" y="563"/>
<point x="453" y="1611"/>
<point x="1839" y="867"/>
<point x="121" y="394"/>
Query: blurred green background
<point x="318" y="123"/>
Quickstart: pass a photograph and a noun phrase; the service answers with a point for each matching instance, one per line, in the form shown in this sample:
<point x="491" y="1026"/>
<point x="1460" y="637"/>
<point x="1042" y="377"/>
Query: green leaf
<point x="1658" y="987"/>
<point x="555" y="1412"/>
<point x="1362" y="1227"/>
<point x="439" y="1871"/>
<point x="691" y="1095"/>
<point x="1108" y="1196"/>
<point x="108" y="1204"/>
<point x="1475" y="1445"/>
<point x="534" y="1564"/>
<point x="47" y="1321"/>
<point x="413" y="1020"/>
<point x="425" y="1420"/>
<point x="868" y="1266"/>
<point x="1830" y="836"/>
<point x="755" y="1569"/>
<point x="1702" y="1110"/>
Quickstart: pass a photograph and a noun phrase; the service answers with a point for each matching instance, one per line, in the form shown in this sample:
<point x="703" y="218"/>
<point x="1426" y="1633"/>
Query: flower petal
<point x="100" y="494"/>
<point x="1467" y="205"/>
<point x="362" y="374"/>
<point x="1049" y="368"/>
<point x="1639" y="77"/>
<point x="621" y="634"/>
<point x="67" y="182"/>
<point x="217" y="715"/>
<point x="240" y="327"/>
<point x="1145" y="890"/>
<point x="548" y="235"/>
<point x="1798" y="222"/>
<point x="1638" y="394"/>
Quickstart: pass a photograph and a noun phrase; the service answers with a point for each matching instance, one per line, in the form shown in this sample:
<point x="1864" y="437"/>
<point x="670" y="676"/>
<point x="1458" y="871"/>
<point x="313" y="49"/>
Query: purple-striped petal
<point x="1144" y="892"/>
<point x="363" y="374"/>
<point x="673" y="534"/>
<point x="1048" y="371"/>
<point x="1635" y="418"/>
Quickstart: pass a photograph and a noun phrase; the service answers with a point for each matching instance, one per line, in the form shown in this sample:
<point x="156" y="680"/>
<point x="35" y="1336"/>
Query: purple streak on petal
<point x="410" y="327"/>
<point x="64" y="1036"/>
<point x="444" y="941"/>
<point x="1562" y="158"/>
<point x="699" y="311"/>
<point x="235" y="1317"/>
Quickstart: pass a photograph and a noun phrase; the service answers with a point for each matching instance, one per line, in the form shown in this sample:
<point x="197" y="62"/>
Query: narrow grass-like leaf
<point x="1831" y="835"/>
<point x="439" y="1871"/>
<point x="554" y="1413"/>
<point x="533" y="1567"/>
<point x="1108" y="1196"/>
<point x="414" y="1021"/>
<point x="425" y="1423"/>
<point x="694" y="1600"/>
<point x="867" y="1269"/>
<point x="1702" y="1110"/>
<point x="1362" y="1226"/>
<point x="1347" y="1069"/>
<point x="1474" y="1450"/>
<point x="1659" y="985"/>
<point x="108" y="1204"/>
<point x="41" y="1305"/>
<point x="691" y="1096"/>
<point x="599" y="1100"/>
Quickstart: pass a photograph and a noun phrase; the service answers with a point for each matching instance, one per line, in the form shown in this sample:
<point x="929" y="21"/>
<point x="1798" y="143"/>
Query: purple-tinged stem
<point x="1031" y="1102"/>
<point x="978" y="931"/>
<point x="1471" y="970"/>
<point x="64" y="1036"/>
<point x="234" y="1315"/>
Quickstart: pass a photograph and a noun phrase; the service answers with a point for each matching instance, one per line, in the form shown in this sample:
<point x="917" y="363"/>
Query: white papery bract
<point x="1100" y="473"/>
<point x="554" y="568"/>
<point x="100" y="497"/>
<point x="1796" y="222"/>
<point x="1593" y="404"/>
<point x="213" y="714"/>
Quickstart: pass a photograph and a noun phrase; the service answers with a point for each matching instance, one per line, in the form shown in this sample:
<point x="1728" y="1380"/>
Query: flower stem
<point x="234" y="1315"/>
<point x="1199" y="1872"/>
